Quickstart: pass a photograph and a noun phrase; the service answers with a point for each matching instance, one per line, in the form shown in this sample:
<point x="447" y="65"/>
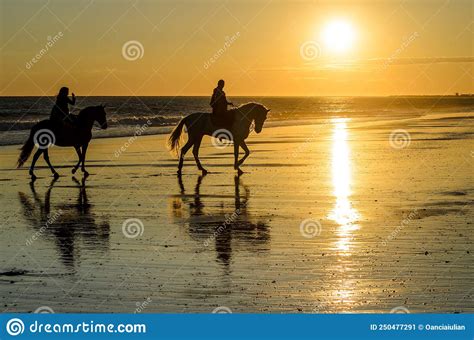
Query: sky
<point x="260" y="48"/>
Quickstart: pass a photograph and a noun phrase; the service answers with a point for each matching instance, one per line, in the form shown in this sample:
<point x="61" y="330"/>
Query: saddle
<point x="223" y="120"/>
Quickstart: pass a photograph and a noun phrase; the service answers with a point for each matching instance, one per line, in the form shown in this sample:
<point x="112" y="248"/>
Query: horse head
<point x="92" y="114"/>
<point x="100" y="116"/>
<point x="259" y="115"/>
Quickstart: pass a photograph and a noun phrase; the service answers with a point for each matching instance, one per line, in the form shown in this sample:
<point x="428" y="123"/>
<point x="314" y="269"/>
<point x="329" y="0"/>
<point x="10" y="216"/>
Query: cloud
<point x="363" y="64"/>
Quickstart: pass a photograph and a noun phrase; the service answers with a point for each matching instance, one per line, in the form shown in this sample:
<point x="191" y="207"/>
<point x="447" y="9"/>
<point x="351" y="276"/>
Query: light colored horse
<point x="200" y="124"/>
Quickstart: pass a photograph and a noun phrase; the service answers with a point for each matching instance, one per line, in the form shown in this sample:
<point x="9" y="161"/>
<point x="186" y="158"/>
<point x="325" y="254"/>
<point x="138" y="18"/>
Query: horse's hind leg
<point x="46" y="158"/>
<point x="78" y="151"/>
<point x="183" y="151"/>
<point x="196" y="147"/>
<point x="33" y="162"/>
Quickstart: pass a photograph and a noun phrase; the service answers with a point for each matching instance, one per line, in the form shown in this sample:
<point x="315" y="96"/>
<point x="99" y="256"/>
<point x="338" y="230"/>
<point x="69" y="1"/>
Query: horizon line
<point x="266" y="96"/>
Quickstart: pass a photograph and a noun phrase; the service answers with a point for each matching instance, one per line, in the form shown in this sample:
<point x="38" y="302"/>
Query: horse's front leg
<point x="83" y="167"/>
<point x="78" y="151"/>
<point x="236" y="158"/>
<point x="243" y="145"/>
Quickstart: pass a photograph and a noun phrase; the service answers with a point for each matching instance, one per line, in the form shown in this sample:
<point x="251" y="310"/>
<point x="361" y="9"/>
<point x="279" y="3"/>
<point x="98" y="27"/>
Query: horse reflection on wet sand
<point x="71" y="226"/>
<point x="228" y="229"/>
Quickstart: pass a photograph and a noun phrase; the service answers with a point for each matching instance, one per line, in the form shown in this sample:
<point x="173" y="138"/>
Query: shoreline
<point x="358" y="121"/>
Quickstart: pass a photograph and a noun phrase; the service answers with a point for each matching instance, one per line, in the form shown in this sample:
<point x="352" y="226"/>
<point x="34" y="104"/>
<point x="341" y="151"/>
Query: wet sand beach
<point x="327" y="218"/>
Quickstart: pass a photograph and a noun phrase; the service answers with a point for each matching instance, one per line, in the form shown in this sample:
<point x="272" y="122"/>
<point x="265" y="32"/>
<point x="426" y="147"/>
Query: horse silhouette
<point x="199" y="124"/>
<point x="46" y="133"/>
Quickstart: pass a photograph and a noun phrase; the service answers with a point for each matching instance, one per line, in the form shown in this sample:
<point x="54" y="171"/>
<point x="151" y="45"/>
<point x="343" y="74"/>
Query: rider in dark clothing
<point x="60" y="112"/>
<point x="219" y="103"/>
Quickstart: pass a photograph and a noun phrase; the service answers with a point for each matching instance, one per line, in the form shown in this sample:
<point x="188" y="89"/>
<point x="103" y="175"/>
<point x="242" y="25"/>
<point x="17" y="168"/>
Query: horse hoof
<point x="73" y="170"/>
<point x="56" y="175"/>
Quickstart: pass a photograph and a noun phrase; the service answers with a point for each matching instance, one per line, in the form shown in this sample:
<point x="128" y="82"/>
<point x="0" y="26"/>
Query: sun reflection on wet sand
<point x="343" y="213"/>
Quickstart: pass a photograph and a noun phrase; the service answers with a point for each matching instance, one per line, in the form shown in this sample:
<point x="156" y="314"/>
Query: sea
<point x="157" y="115"/>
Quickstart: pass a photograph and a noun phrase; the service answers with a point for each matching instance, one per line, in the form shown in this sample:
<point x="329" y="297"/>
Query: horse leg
<point x="196" y="147"/>
<point x="78" y="151"/>
<point x="183" y="151"/>
<point x="243" y="145"/>
<point x="236" y="158"/>
<point x="33" y="162"/>
<point x="46" y="158"/>
<point x="83" y="167"/>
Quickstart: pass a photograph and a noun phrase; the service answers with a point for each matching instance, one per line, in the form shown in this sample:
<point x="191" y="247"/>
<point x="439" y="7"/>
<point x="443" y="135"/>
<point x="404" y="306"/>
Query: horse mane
<point x="87" y="110"/>
<point x="248" y="106"/>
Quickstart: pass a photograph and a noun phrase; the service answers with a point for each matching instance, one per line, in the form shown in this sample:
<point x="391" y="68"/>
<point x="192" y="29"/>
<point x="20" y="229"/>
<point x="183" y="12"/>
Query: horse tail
<point x="26" y="150"/>
<point x="175" y="136"/>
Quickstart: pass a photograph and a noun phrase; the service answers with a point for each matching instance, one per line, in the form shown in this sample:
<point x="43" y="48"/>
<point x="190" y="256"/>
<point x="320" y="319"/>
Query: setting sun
<point x="338" y="36"/>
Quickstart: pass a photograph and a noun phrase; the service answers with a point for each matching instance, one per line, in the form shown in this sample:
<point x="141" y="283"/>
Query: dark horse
<point x="44" y="134"/>
<point x="200" y="124"/>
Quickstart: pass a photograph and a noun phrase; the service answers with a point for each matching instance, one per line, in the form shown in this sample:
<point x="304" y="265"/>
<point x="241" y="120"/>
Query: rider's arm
<point x="73" y="100"/>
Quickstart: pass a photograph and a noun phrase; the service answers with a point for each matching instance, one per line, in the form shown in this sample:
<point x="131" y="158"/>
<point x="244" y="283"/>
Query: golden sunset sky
<point x="290" y="48"/>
